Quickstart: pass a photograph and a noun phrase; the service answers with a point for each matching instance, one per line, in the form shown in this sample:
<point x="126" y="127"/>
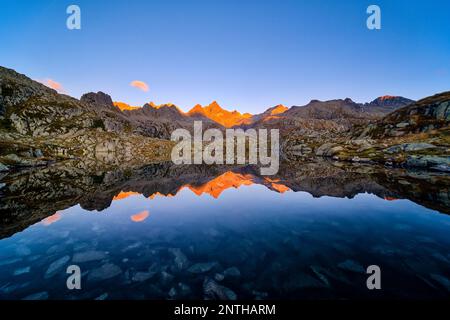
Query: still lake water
<point x="230" y="236"/>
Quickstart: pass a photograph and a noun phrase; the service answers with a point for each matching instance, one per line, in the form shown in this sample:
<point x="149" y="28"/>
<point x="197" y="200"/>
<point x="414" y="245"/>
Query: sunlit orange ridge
<point x="216" y="186"/>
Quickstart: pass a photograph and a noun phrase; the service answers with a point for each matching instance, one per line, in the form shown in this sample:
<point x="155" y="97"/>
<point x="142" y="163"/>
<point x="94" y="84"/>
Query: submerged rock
<point x="23" y="250"/>
<point x="103" y="296"/>
<point x="55" y="249"/>
<point x="88" y="256"/>
<point x="20" y="271"/>
<point x="172" y="292"/>
<point x="232" y="272"/>
<point x="181" y="261"/>
<point x="43" y="295"/>
<point x="78" y="246"/>
<point x="214" y="291"/>
<point x="184" y="289"/>
<point x="351" y="265"/>
<point x="142" y="276"/>
<point x="219" y="277"/>
<point x="9" y="261"/>
<point x="132" y="246"/>
<point x="106" y="271"/>
<point x="56" y="266"/>
<point x="443" y="281"/>
<point x="166" y="278"/>
<point x="202" y="267"/>
<point x="320" y="275"/>
<point x="9" y="288"/>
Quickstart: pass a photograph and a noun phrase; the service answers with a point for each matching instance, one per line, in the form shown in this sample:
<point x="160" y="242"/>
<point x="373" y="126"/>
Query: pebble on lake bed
<point x="202" y="267"/>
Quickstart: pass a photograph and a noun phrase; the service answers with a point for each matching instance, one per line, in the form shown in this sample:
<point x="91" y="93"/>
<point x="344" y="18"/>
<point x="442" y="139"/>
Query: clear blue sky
<point x="246" y="54"/>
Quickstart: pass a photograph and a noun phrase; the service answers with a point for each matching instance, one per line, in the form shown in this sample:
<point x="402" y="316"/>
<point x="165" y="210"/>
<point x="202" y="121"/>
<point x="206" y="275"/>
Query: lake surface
<point x="198" y="232"/>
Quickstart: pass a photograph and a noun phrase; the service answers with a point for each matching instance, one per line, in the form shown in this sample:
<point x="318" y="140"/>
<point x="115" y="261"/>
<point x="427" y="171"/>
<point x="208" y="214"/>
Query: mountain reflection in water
<point x="175" y="232"/>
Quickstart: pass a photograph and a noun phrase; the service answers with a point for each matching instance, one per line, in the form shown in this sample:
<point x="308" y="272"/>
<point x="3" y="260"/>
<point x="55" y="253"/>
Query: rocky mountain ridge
<point x="38" y="125"/>
<point x="417" y="135"/>
<point x="345" y="111"/>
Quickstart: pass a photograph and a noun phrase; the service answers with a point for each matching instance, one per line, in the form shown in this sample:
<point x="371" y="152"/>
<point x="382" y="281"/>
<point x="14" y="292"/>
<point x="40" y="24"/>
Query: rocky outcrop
<point x="413" y="136"/>
<point x="328" y="150"/>
<point x="439" y="163"/>
<point x="424" y="116"/>
<point x="386" y="104"/>
<point x="98" y="98"/>
<point x="408" y="147"/>
<point x="333" y="117"/>
<point x="38" y="126"/>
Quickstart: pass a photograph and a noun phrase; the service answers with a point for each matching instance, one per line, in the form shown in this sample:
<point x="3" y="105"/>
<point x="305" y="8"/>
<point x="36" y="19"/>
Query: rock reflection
<point x="31" y="196"/>
<point x="51" y="219"/>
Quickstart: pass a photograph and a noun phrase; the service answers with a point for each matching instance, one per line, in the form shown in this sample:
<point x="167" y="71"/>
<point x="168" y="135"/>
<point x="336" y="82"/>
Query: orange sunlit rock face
<point x="278" y="109"/>
<point x="269" y="118"/>
<point x="123" y="106"/>
<point x="51" y="219"/>
<point x="281" y="188"/>
<point x="215" y="187"/>
<point x="164" y="105"/>
<point x="161" y="195"/>
<point x="390" y="198"/>
<point x="387" y="97"/>
<point x="139" y="217"/>
<point x="124" y="195"/>
<point x="224" y="117"/>
<point x="275" y="185"/>
<point x="227" y="180"/>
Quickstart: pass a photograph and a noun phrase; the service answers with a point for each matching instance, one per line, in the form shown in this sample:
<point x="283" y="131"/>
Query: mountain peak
<point x="278" y="109"/>
<point x="214" y="107"/>
<point x="163" y="105"/>
<point x="99" y="98"/>
<point x="348" y="100"/>
<point x="216" y="113"/>
<point x="387" y="97"/>
<point x="390" y="101"/>
<point x="214" y="104"/>
<point x="196" y="109"/>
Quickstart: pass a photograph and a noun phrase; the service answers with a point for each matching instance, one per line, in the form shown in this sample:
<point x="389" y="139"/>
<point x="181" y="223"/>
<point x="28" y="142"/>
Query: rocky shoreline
<point x="416" y="136"/>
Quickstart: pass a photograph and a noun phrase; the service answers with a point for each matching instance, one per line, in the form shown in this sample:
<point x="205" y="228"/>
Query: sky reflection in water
<point x="284" y="245"/>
